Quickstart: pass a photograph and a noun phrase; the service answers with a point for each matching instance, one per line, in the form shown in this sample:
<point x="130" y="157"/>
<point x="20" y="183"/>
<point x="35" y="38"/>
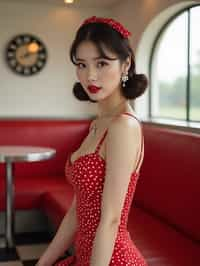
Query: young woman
<point x="105" y="169"/>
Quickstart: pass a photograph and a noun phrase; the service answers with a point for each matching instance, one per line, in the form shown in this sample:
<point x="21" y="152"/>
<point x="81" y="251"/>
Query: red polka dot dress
<point x="86" y="174"/>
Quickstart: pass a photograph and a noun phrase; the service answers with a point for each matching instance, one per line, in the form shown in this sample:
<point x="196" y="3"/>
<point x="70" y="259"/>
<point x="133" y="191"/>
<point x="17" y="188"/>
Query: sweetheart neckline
<point x="84" y="155"/>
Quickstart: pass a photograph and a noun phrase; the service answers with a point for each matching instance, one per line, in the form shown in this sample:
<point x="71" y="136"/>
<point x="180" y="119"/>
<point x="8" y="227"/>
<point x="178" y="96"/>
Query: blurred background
<point x="164" y="38"/>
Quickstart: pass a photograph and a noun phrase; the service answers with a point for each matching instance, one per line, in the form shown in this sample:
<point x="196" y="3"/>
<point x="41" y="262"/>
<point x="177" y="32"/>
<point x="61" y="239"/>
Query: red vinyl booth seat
<point x="164" y="220"/>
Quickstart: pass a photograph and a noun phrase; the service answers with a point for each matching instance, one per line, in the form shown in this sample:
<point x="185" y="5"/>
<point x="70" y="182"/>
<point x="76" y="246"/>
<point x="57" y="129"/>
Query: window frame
<point x="193" y="125"/>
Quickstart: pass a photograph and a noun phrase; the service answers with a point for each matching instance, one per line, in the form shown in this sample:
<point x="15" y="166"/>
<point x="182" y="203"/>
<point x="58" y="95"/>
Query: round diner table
<point x="9" y="155"/>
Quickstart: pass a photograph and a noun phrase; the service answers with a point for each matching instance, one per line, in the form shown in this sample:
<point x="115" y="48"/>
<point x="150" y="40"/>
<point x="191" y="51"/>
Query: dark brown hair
<point x="102" y="35"/>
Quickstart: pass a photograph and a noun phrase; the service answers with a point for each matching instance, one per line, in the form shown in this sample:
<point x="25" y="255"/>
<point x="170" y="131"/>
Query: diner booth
<point x="42" y="124"/>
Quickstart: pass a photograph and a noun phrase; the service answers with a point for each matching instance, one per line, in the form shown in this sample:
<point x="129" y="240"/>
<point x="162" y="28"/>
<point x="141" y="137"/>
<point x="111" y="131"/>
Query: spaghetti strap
<point x="101" y="140"/>
<point x="142" y="142"/>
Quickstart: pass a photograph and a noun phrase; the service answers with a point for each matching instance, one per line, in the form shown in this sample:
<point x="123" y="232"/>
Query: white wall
<point x="138" y="14"/>
<point x="48" y="93"/>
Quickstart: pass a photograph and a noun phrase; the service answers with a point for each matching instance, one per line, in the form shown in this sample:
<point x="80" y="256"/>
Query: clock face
<point x="26" y="54"/>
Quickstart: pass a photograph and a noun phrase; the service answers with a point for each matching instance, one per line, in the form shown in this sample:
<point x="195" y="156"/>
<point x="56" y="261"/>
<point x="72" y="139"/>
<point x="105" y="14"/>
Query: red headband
<point x="113" y="23"/>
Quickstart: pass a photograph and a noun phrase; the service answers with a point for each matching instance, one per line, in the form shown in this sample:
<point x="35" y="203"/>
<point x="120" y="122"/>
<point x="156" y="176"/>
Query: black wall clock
<point x="26" y="54"/>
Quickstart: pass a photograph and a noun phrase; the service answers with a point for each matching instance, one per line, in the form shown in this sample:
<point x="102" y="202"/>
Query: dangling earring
<point x="124" y="79"/>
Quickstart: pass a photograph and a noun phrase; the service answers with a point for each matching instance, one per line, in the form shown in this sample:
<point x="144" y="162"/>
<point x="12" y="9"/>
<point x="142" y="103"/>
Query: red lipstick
<point x="93" y="89"/>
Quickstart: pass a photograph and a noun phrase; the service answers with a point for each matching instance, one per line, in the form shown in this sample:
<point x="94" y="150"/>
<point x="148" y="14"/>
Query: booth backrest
<point x="169" y="183"/>
<point x="63" y="135"/>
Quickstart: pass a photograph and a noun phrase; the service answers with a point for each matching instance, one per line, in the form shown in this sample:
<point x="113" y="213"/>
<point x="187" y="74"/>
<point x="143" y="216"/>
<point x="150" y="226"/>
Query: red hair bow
<point x="113" y="23"/>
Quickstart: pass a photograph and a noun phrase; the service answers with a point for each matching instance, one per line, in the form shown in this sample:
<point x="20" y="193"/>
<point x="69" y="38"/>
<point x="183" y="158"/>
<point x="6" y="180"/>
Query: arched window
<point x="175" y="69"/>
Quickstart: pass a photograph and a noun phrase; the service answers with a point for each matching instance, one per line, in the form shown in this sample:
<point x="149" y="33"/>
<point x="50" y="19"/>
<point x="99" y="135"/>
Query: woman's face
<point x="91" y="69"/>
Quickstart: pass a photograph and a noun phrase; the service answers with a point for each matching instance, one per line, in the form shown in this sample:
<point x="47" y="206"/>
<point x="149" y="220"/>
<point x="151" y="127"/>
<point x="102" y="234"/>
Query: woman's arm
<point x="63" y="238"/>
<point x="122" y="146"/>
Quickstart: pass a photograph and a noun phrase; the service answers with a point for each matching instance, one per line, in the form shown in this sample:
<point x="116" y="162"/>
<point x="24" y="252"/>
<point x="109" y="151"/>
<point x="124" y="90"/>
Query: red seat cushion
<point x="160" y="243"/>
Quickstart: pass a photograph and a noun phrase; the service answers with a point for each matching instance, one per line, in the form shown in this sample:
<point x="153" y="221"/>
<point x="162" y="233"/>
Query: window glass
<point x="169" y="71"/>
<point x="195" y="65"/>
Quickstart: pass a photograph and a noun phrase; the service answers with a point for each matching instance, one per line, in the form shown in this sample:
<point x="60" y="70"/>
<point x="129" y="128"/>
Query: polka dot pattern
<point x="86" y="174"/>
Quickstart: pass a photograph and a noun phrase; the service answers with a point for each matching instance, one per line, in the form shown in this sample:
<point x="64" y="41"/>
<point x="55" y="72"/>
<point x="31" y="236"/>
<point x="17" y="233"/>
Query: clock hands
<point x="25" y="55"/>
<point x="32" y="48"/>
